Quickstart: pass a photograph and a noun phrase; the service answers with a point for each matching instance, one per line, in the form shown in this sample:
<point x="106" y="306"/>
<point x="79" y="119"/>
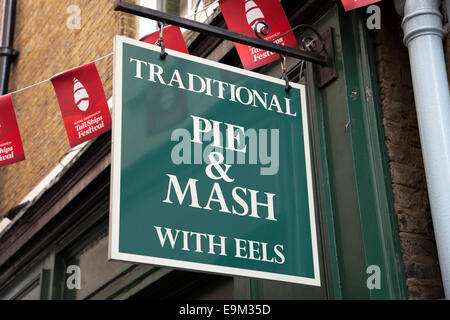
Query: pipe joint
<point x="426" y="21"/>
<point x="9" y="52"/>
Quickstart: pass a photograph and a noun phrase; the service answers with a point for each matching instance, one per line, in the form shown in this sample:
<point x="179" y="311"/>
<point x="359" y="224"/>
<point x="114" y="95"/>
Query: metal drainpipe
<point x="7" y="52"/>
<point x="422" y="26"/>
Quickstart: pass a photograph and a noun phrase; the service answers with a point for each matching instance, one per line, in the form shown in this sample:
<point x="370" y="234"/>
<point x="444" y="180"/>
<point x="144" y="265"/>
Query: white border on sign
<point x="114" y="219"/>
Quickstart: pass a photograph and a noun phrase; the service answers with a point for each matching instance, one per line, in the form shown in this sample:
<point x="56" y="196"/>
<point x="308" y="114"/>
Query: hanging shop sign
<point x="83" y="103"/>
<point x="11" y="149"/>
<point x="355" y="4"/>
<point x="266" y="17"/>
<point x="211" y="168"/>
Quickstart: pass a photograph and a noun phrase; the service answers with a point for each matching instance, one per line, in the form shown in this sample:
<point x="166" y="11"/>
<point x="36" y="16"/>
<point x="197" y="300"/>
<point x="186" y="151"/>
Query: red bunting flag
<point x="11" y="149"/>
<point x="354" y="4"/>
<point x="244" y="16"/>
<point x="83" y="103"/>
<point x="172" y="36"/>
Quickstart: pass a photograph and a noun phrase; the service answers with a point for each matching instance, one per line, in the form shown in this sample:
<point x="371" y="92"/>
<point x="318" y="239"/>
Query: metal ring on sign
<point x="160" y="41"/>
<point x="284" y="73"/>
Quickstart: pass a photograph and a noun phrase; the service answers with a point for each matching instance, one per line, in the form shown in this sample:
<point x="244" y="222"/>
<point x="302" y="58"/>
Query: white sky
<point x="147" y="26"/>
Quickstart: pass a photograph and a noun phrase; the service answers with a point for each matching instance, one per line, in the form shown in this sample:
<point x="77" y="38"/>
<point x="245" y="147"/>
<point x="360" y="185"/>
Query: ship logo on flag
<point x="254" y="15"/>
<point x="11" y="149"/>
<point x="91" y="117"/>
<point x="253" y="18"/>
<point x="80" y="95"/>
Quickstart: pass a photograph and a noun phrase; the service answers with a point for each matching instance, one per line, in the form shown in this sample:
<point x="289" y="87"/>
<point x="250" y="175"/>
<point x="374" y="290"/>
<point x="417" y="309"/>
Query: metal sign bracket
<point x="327" y="73"/>
<point x="324" y="59"/>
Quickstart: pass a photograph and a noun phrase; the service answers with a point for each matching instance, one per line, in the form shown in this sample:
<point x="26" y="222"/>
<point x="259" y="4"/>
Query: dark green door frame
<point x="375" y="198"/>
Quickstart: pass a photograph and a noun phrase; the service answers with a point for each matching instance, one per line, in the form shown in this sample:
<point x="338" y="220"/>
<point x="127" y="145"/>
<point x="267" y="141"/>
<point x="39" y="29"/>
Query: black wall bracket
<point x="327" y="73"/>
<point x="7" y="51"/>
<point x="325" y="59"/>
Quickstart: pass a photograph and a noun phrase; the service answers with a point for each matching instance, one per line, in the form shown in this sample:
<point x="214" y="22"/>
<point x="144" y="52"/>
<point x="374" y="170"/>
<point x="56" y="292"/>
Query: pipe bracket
<point x="9" y="52"/>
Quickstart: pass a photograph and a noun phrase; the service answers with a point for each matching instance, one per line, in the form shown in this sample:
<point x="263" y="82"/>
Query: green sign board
<point x="211" y="168"/>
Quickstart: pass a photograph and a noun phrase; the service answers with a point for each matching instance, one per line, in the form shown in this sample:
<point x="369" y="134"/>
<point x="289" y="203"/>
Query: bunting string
<point x="85" y="116"/>
<point x="43" y="81"/>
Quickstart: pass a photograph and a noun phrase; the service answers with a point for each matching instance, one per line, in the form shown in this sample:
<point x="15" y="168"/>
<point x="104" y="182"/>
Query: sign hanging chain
<point x="160" y="41"/>
<point x="284" y="72"/>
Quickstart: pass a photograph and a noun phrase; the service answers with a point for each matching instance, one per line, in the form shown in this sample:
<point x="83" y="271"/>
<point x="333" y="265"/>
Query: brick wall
<point x="405" y="159"/>
<point x="47" y="46"/>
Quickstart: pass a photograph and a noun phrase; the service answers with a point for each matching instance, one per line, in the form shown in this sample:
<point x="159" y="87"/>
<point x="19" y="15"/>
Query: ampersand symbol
<point x="222" y="173"/>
